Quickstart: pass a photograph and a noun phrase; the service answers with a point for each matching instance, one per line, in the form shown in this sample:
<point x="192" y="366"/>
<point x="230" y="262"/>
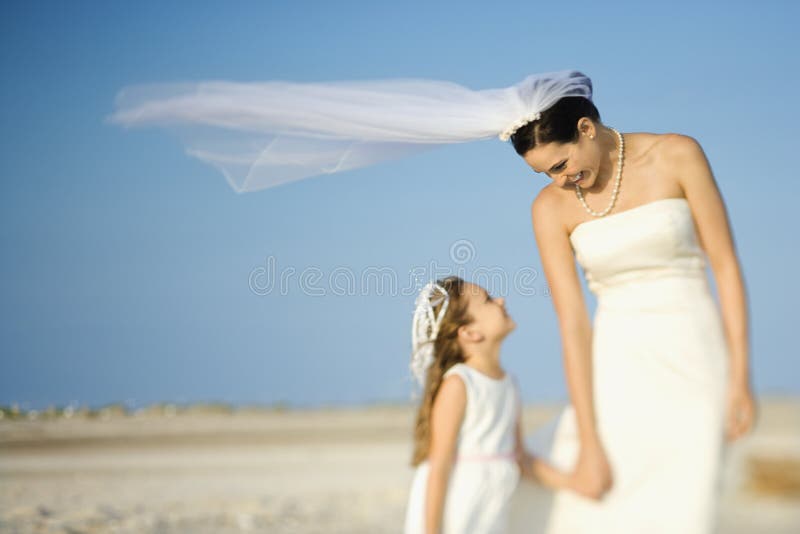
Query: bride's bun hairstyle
<point x="557" y="124"/>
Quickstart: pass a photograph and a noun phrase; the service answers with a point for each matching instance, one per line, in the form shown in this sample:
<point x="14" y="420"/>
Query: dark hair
<point x="558" y="123"/>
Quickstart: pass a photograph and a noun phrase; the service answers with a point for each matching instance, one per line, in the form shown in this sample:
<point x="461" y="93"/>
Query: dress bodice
<point x="652" y="241"/>
<point x="493" y="406"/>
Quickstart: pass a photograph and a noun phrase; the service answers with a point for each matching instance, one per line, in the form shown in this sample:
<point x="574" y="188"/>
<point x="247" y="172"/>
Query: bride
<point x="659" y="378"/>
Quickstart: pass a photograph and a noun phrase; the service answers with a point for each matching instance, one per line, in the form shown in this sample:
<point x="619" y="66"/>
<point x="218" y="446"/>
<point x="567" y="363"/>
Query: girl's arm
<point x="447" y="414"/>
<point x="592" y="474"/>
<point x="536" y="469"/>
<point x="708" y="210"/>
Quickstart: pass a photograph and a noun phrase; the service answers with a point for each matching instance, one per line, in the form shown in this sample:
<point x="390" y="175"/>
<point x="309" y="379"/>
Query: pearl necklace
<point x="615" y="192"/>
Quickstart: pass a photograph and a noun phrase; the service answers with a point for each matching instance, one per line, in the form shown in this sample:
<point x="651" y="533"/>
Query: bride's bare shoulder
<point x="547" y="199"/>
<point x="646" y="145"/>
<point x="675" y="153"/>
<point x="669" y="145"/>
<point x="548" y="206"/>
<point x="663" y="156"/>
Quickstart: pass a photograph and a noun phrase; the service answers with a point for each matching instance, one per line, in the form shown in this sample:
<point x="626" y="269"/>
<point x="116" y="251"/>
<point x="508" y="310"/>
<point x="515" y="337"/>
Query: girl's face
<point x="489" y="313"/>
<point x="570" y="163"/>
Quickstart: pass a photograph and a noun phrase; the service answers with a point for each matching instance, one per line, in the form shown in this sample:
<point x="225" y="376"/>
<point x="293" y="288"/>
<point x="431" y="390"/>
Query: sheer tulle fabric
<point x="262" y="134"/>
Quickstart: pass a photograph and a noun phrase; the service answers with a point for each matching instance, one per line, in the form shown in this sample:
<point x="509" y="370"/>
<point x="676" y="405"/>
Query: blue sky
<point x="128" y="266"/>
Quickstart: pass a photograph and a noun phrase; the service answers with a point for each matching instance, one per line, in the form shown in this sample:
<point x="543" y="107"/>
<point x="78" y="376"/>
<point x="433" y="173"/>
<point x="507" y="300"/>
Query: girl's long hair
<point x="446" y="353"/>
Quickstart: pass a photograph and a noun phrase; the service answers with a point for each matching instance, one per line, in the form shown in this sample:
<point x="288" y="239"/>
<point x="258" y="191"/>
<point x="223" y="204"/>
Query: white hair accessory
<point x="262" y="134"/>
<point x="508" y="132"/>
<point x="425" y="328"/>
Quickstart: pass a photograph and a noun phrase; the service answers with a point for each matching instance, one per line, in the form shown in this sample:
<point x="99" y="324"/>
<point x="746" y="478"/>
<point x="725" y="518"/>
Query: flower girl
<point x="468" y="449"/>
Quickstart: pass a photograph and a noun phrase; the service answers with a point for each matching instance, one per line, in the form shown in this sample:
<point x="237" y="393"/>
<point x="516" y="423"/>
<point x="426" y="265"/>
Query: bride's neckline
<point x="620" y="213"/>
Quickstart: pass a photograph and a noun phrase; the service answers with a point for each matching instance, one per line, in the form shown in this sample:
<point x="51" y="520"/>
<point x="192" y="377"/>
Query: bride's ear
<point x="587" y="127"/>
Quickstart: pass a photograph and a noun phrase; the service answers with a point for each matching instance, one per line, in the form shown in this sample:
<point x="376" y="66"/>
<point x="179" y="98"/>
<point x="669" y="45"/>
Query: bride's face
<point x="569" y="163"/>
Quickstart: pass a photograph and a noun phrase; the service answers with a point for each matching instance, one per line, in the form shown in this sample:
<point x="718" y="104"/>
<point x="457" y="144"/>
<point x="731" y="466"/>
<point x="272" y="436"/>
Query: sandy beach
<point x="207" y="469"/>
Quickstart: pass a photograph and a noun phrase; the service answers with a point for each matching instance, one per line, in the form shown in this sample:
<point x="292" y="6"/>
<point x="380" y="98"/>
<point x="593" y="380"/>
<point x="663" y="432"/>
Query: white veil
<point x="262" y="134"/>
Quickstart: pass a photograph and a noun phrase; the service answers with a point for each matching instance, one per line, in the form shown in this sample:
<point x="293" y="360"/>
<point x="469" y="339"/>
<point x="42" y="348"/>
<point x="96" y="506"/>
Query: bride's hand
<point x="741" y="411"/>
<point x="592" y="474"/>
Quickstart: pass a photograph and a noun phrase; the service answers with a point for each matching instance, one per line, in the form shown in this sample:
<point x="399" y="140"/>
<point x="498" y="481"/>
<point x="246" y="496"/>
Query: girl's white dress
<point x="660" y="367"/>
<point x="485" y="474"/>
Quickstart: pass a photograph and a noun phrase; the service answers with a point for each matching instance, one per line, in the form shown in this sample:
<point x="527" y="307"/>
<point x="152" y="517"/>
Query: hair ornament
<point x="425" y="327"/>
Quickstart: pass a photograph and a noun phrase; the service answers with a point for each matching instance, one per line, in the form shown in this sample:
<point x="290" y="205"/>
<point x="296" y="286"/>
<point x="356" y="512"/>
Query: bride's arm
<point x="558" y="262"/>
<point x="713" y="227"/>
<point x="592" y="475"/>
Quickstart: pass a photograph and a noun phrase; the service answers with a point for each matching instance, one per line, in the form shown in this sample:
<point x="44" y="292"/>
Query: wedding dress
<point x="660" y="367"/>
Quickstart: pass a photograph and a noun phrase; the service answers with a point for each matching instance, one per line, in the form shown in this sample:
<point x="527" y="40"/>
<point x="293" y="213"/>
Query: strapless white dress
<point x="660" y="369"/>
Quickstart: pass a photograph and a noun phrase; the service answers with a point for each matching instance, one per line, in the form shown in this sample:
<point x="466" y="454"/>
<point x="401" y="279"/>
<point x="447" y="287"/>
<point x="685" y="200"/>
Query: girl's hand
<point x="592" y="475"/>
<point x="540" y="471"/>
<point x="741" y="411"/>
